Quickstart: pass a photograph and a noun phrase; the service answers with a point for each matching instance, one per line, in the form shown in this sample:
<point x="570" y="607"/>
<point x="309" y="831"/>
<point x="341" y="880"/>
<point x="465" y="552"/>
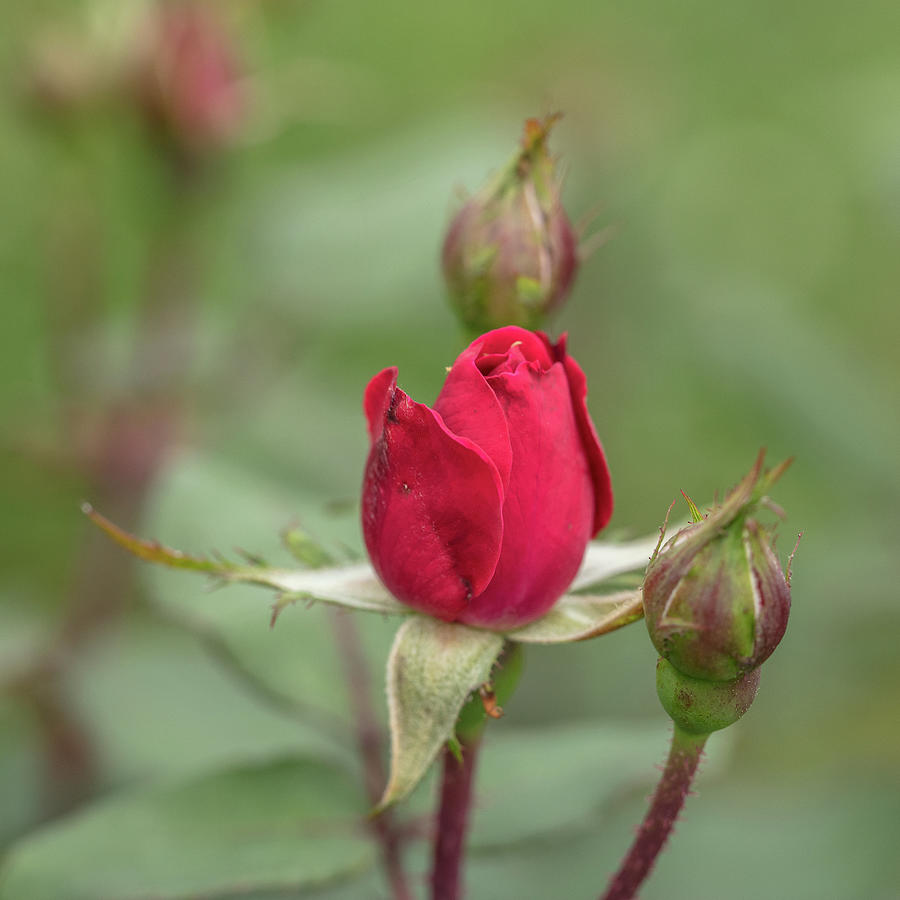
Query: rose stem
<point x="453" y="819"/>
<point x="368" y="741"/>
<point x="667" y="802"/>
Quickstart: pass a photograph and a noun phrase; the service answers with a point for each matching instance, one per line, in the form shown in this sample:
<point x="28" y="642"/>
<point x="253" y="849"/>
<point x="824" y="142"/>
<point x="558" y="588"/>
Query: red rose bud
<point x="188" y="77"/>
<point x="510" y="255"/>
<point x="479" y="510"/>
<point x="716" y="600"/>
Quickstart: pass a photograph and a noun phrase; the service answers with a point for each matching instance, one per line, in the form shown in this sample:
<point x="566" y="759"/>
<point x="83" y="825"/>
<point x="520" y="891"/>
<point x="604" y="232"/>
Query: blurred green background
<point x="747" y="160"/>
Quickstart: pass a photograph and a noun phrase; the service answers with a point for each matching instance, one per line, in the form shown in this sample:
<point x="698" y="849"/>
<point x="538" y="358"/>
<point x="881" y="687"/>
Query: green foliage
<point x="21" y="771"/>
<point x="579" y="617"/>
<point x="552" y="782"/>
<point x="432" y="669"/>
<point x="349" y="586"/>
<point x="198" y="711"/>
<point x="288" y="824"/>
<point x="504" y="679"/>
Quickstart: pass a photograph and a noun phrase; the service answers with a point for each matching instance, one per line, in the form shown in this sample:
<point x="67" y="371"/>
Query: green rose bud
<point x="697" y="706"/>
<point x="716" y="600"/>
<point x="510" y="255"/>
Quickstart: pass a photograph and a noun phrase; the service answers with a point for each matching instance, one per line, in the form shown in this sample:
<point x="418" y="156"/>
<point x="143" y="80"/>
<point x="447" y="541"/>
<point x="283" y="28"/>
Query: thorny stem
<point x="369" y="743"/>
<point x="453" y="820"/>
<point x="665" y="806"/>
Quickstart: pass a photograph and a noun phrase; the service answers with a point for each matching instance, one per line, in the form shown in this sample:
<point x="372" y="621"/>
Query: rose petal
<point x="494" y="349"/>
<point x="549" y="509"/>
<point x="431" y="510"/>
<point x="603" y="494"/>
<point x="469" y="409"/>
<point x="377" y="398"/>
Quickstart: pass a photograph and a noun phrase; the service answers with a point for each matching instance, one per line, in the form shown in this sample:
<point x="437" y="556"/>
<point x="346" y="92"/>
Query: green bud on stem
<point x="697" y="706"/>
<point x="716" y="600"/>
<point x="716" y="604"/>
<point x="510" y="255"/>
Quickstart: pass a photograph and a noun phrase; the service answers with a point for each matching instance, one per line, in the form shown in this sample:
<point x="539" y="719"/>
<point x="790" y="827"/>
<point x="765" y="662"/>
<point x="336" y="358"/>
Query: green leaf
<point x="533" y="782"/>
<point x="212" y="716"/>
<point x="297" y="659"/>
<point x="604" y="559"/>
<point x="432" y="669"/>
<point x="288" y="824"/>
<point x="578" y="617"/>
<point x="537" y="786"/>
<point x="355" y="587"/>
<point x="749" y="829"/>
<point x="696" y="515"/>
<point x="304" y="548"/>
<point x="22" y="769"/>
<point x="504" y="680"/>
<point x="26" y="771"/>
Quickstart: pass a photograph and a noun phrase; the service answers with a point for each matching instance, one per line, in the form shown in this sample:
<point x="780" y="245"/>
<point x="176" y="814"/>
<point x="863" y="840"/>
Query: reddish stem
<point x="670" y="795"/>
<point x="453" y="820"/>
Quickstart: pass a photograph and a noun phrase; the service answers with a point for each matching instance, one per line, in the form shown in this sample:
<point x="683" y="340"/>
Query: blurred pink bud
<point x="189" y="76"/>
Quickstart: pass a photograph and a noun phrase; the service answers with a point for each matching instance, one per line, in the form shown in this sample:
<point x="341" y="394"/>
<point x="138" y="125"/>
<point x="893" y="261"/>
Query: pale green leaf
<point x="281" y="825"/>
<point x="432" y="669"/>
<point x="603" y="560"/>
<point x="353" y="587"/>
<point x="577" y="617"/>
<point x="356" y="586"/>
<point x="298" y="659"/>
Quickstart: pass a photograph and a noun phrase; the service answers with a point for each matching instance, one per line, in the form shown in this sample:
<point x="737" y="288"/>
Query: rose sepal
<point x="434" y="667"/>
<point x="575" y="616"/>
<point x="353" y="586"/>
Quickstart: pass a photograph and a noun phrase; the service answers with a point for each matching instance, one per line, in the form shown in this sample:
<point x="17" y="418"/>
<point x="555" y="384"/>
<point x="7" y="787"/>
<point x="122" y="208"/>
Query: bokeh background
<point x="187" y="333"/>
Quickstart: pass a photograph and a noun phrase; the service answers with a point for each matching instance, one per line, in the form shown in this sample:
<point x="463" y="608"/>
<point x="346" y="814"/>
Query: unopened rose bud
<point x="510" y="255"/>
<point x="716" y="600"/>
<point x="188" y="76"/>
<point x="479" y="509"/>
